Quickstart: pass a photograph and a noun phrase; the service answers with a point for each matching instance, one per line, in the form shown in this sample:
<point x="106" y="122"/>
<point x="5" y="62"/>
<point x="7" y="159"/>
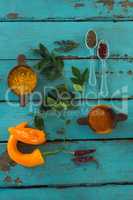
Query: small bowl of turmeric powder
<point x="22" y="80"/>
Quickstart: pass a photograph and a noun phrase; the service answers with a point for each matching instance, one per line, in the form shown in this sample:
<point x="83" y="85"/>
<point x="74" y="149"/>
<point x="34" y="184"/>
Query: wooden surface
<point x="23" y="24"/>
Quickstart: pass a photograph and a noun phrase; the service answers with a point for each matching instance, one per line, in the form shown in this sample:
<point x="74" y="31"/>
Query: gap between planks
<point x="113" y="57"/>
<point x="60" y="141"/>
<point x="115" y="18"/>
<point x="63" y="186"/>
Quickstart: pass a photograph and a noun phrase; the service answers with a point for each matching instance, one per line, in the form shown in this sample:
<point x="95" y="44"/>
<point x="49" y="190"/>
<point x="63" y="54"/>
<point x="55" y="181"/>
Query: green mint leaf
<point x="50" y="64"/>
<point x="78" y="88"/>
<point x="66" y="45"/>
<point x="39" y="122"/>
<point x="43" y="51"/>
<point x="76" y="72"/>
<point x="74" y="80"/>
<point x="42" y="64"/>
<point x="85" y="75"/>
<point x="51" y="101"/>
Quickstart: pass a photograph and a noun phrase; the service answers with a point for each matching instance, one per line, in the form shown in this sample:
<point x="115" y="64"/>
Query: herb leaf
<point x="79" y="78"/>
<point x="85" y="75"/>
<point x="76" y="72"/>
<point x="50" y="65"/>
<point x="43" y="50"/>
<point x="77" y="88"/>
<point x="74" y="80"/>
<point x="60" y="99"/>
<point x="39" y="122"/>
<point x="66" y="45"/>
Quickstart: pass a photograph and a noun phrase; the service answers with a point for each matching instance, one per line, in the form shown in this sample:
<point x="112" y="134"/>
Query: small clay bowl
<point x="102" y="119"/>
<point x="22" y="80"/>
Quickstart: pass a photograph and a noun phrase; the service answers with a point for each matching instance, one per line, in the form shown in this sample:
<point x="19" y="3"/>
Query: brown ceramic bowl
<point x="102" y="119"/>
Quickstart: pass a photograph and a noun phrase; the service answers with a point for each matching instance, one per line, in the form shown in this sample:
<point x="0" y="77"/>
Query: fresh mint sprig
<point x="79" y="78"/>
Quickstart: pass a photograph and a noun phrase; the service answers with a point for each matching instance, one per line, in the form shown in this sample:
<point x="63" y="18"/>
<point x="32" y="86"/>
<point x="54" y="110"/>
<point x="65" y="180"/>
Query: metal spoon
<point x="91" y="43"/>
<point x="104" y="87"/>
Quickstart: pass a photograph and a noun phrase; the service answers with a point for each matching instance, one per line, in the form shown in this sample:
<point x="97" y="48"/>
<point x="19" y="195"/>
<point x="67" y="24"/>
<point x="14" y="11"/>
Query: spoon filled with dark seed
<point x="103" y="54"/>
<point x="91" y="43"/>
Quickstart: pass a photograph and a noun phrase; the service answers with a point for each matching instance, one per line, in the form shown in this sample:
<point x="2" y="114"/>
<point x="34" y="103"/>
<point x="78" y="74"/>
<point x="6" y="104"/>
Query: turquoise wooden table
<point x="23" y="24"/>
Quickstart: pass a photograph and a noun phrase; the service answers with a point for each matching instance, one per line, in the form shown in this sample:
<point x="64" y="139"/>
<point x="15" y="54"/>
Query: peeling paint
<point x="79" y="5"/>
<point x="6" y="162"/>
<point x="108" y="3"/>
<point x="12" y="15"/>
<point x="126" y="4"/>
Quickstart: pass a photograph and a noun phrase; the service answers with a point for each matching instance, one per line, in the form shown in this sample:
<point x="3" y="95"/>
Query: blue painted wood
<point x="108" y="192"/>
<point x="24" y="36"/>
<point x="120" y="77"/>
<point x="114" y="157"/>
<point x="61" y="9"/>
<point x="12" y="115"/>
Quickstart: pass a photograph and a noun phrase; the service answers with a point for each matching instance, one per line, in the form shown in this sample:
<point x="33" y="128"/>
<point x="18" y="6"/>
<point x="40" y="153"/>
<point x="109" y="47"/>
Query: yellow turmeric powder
<point x="22" y="80"/>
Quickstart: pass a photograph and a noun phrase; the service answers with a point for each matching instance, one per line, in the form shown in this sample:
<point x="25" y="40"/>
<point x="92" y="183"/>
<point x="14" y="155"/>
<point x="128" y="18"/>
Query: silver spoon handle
<point x="92" y="74"/>
<point x="104" y="87"/>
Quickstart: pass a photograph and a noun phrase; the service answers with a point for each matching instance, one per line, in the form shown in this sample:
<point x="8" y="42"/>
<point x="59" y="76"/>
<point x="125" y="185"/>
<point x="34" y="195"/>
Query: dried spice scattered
<point x="83" y="156"/>
<point x="68" y="121"/>
<point x="66" y="45"/>
<point x="18" y="181"/>
<point x="130" y="72"/>
<point x="50" y="65"/>
<point x="85" y="159"/>
<point x="102" y="50"/>
<point x="6" y="162"/>
<point x="84" y="152"/>
<point x="8" y="179"/>
<point x="91" y="39"/>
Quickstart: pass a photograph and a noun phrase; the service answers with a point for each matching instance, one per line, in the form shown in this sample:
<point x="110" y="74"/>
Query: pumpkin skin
<point x="28" y="135"/>
<point x="25" y="159"/>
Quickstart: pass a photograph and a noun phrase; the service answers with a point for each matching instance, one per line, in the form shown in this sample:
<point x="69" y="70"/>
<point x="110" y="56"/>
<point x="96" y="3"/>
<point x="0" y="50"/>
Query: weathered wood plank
<point x="119" y="72"/>
<point x="114" y="157"/>
<point x="110" y="192"/>
<point x="62" y="10"/>
<point x="13" y="114"/>
<point x="24" y="36"/>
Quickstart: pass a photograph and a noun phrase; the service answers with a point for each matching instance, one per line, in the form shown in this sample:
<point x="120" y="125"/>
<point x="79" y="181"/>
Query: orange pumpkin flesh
<point x="101" y="119"/>
<point x="27" y="160"/>
<point x="28" y="135"/>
